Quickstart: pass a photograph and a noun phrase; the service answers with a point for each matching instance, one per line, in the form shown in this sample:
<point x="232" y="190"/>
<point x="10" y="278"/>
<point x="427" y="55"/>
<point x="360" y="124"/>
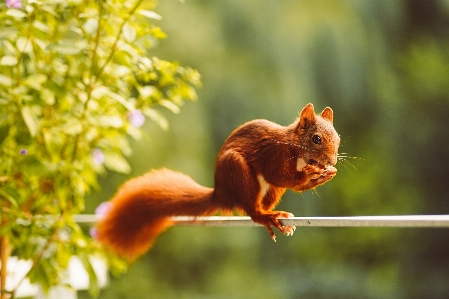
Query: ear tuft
<point x="328" y="114"/>
<point x="307" y="116"/>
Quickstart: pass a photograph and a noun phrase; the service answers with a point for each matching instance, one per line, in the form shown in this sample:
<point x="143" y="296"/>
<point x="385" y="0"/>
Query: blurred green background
<point x="383" y="67"/>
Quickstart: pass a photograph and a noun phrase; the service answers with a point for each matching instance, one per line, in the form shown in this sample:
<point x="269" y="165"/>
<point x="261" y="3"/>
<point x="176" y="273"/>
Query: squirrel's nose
<point x="332" y="159"/>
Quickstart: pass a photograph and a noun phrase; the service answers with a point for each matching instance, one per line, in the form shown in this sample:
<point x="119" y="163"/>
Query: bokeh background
<point x="383" y="67"/>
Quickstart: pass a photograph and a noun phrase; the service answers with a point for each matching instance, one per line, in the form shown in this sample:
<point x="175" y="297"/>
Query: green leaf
<point x="4" y="131"/>
<point x="24" y="138"/>
<point x="11" y="195"/>
<point x="69" y="47"/>
<point x="147" y="91"/>
<point x="102" y="91"/>
<point x="134" y="132"/>
<point x="65" y="49"/>
<point x="41" y="26"/>
<point x="53" y="140"/>
<point x="121" y="100"/>
<point x="110" y="121"/>
<point x="129" y="33"/>
<point x="48" y="96"/>
<point x="50" y="10"/>
<point x="170" y="106"/>
<point x="72" y="127"/>
<point x="157" y="117"/>
<point x="125" y="47"/>
<point x="99" y="92"/>
<point x="5" y="80"/>
<point x="15" y="13"/>
<point x="36" y="167"/>
<point x="62" y="254"/>
<point x="40" y="43"/>
<point x="30" y="120"/>
<point x="35" y="81"/>
<point x="8" y="60"/>
<point x="116" y="162"/>
<point x="149" y="14"/>
<point x="7" y="32"/>
<point x="94" y="289"/>
<point x="158" y="33"/>
<point x="41" y="274"/>
<point x="11" y="48"/>
<point x="122" y="58"/>
<point x="91" y="26"/>
<point x="24" y="45"/>
<point x="29" y="8"/>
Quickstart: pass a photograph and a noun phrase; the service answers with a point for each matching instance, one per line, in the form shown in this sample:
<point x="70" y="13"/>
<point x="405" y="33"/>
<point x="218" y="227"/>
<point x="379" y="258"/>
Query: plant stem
<point x="94" y="78"/>
<point x="35" y="262"/>
<point x="120" y="31"/>
<point x="97" y="41"/>
<point x="5" y="251"/>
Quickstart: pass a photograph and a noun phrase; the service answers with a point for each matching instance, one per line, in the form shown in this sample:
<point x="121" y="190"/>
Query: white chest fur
<point x="264" y="186"/>
<point x="300" y="163"/>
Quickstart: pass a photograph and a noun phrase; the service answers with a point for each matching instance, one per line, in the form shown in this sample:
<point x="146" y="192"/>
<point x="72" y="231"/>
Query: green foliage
<point x="74" y="74"/>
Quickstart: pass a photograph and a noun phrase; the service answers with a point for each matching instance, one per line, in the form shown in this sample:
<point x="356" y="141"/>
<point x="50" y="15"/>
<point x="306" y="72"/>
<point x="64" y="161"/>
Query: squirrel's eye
<point x="316" y="139"/>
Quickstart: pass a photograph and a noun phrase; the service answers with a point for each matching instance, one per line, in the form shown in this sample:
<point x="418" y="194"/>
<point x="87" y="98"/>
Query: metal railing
<point x="441" y="221"/>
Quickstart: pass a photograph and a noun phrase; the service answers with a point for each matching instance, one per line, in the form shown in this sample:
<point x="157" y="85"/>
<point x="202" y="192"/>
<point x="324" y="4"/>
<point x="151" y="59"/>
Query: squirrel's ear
<point x="307" y="116"/>
<point x="328" y="114"/>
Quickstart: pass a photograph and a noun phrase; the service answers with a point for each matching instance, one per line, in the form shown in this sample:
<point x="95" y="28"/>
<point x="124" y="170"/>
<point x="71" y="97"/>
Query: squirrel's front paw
<point x="328" y="173"/>
<point x="315" y="175"/>
<point x="313" y="171"/>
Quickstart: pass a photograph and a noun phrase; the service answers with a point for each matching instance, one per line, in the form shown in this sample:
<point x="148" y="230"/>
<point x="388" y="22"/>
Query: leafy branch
<point x="73" y="89"/>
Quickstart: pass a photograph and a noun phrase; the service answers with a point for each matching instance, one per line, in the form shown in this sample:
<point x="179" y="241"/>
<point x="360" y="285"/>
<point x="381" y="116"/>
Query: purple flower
<point x="100" y="211"/>
<point x="13" y="3"/>
<point x="98" y="156"/>
<point x="23" y="151"/>
<point x="136" y="118"/>
<point x="93" y="232"/>
<point x="102" y="208"/>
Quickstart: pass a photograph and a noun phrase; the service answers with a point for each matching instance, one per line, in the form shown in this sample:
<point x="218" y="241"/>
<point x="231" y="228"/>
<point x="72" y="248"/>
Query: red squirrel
<point x="255" y="166"/>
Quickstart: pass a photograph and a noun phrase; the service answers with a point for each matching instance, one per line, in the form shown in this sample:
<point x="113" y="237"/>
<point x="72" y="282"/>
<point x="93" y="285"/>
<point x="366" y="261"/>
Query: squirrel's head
<point x="317" y="136"/>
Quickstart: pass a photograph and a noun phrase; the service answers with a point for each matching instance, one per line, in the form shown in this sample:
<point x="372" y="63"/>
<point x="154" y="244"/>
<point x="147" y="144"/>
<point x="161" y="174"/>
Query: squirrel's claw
<point x="272" y="219"/>
<point x="289" y="230"/>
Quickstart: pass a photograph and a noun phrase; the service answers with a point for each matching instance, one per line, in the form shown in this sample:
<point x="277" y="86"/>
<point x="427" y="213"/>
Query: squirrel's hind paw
<point x="271" y="219"/>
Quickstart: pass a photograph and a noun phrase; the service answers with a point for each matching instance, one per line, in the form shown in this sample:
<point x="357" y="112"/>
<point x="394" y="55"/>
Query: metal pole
<point x="441" y="221"/>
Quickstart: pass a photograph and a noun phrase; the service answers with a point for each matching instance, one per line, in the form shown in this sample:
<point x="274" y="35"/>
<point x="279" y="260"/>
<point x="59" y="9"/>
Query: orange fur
<point x="254" y="167"/>
<point x="141" y="209"/>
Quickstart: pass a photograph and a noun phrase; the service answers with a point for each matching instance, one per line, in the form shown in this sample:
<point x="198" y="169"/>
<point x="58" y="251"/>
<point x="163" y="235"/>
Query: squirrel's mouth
<point x="316" y="163"/>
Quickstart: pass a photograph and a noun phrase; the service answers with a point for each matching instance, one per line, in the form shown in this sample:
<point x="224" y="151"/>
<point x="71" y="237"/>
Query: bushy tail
<point x="141" y="209"/>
